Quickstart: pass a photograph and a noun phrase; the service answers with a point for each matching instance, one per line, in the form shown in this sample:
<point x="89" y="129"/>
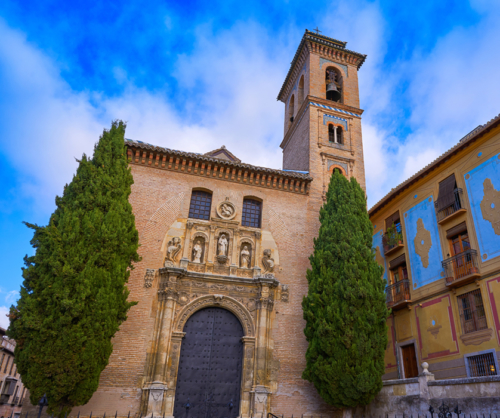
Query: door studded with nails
<point x="209" y="376"/>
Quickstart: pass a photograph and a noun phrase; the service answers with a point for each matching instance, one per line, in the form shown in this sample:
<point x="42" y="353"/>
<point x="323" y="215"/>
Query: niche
<point x="246" y="255"/>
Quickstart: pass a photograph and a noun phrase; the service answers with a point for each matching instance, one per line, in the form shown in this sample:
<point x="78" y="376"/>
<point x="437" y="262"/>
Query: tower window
<point x="301" y="91"/>
<point x="335" y="134"/>
<point x="334" y="82"/>
<point x="252" y="211"/>
<point x="291" y="108"/>
<point x="200" y="206"/>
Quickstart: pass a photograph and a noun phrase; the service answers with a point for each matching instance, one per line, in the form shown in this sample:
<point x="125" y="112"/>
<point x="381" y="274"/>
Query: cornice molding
<point x="199" y="165"/>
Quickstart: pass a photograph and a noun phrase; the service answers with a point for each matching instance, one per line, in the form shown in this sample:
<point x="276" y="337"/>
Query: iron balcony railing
<point x="450" y="210"/>
<point x="398" y="292"/>
<point x="460" y="266"/>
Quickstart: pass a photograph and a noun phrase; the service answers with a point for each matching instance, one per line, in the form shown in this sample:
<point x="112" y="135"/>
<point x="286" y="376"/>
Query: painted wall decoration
<point x="493" y="287"/>
<point x="483" y="189"/>
<point x="437" y="335"/>
<point x="423" y="242"/>
<point x="379" y="252"/>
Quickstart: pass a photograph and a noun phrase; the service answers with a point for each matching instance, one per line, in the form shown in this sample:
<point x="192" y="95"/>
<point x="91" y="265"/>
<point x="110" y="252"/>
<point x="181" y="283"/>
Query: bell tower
<point x="322" y="129"/>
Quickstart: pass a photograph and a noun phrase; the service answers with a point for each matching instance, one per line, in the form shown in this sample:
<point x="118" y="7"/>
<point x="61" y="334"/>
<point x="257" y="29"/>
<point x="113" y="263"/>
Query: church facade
<point x="218" y="330"/>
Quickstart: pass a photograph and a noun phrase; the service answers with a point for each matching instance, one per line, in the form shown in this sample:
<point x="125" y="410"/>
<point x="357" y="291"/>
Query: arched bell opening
<point x="334" y="84"/>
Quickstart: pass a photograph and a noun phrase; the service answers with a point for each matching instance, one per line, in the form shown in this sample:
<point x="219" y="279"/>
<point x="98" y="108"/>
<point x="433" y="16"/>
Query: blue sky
<point x="197" y="75"/>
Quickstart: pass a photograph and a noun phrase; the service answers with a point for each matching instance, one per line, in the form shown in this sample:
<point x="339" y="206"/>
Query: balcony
<point x="451" y="211"/>
<point x="391" y="243"/>
<point x="461" y="269"/>
<point x="398" y="294"/>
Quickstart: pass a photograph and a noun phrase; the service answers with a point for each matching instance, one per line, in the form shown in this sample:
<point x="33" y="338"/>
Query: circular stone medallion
<point x="226" y="210"/>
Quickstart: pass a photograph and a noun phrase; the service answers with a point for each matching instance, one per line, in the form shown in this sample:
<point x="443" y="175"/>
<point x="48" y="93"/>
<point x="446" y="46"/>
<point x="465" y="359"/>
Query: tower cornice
<point x="322" y="45"/>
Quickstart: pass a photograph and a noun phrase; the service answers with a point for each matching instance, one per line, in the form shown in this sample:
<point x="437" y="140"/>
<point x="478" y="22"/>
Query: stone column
<point x="174" y="356"/>
<point x="247" y="376"/>
<point x="265" y="305"/>
<point x="168" y="299"/>
<point x="236" y="253"/>
<point x="257" y="255"/>
<point x="211" y="240"/>
<point x="187" y="243"/>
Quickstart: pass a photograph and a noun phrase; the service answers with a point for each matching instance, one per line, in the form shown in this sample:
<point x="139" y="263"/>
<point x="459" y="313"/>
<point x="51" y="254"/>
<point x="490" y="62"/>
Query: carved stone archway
<point x="221" y="301"/>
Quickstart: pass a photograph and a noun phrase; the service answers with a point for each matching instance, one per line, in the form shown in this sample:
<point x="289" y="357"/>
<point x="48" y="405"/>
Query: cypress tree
<point x="74" y="298"/>
<point x="345" y="309"/>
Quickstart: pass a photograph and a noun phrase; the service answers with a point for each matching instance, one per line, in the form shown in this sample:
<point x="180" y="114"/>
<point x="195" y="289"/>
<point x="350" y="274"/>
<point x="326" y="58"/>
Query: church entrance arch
<point x="210" y="366"/>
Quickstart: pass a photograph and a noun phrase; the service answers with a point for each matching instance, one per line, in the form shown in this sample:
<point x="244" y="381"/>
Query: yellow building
<point x="437" y="235"/>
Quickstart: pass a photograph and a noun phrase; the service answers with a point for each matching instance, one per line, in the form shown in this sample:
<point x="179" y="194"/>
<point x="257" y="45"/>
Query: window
<point x="448" y="200"/>
<point x="3" y="358"/>
<point x="301" y="91"/>
<point x="395" y="220"/>
<point x="6" y="364"/>
<point x="11" y="367"/>
<point x="251" y="213"/>
<point x="201" y="203"/>
<point x="335" y="134"/>
<point x="482" y="364"/>
<point x="472" y="315"/>
<point x="333" y="80"/>
<point x="399" y="286"/>
<point x="291" y="108"/>
<point x="459" y="239"/>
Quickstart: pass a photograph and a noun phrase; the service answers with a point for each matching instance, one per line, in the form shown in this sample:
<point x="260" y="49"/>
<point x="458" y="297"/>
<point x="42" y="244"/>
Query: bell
<point x="332" y="93"/>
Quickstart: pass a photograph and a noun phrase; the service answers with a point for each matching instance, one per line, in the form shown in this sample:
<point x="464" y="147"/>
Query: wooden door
<point x="409" y="361"/>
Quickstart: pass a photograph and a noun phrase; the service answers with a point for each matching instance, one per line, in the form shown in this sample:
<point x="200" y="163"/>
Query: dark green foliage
<point x="345" y="308"/>
<point x="74" y="297"/>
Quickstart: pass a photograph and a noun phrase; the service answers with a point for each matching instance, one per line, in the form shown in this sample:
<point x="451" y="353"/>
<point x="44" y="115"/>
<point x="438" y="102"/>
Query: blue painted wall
<point x="377" y="242"/>
<point x="420" y="275"/>
<point x="489" y="242"/>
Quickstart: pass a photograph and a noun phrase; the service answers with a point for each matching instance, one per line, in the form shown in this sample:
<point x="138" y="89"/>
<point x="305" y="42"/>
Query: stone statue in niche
<point x="490" y="205"/>
<point x="222" y="245"/>
<point x="222" y="248"/>
<point x="173" y="248"/>
<point x="267" y="262"/>
<point x="245" y="257"/>
<point x="198" y="251"/>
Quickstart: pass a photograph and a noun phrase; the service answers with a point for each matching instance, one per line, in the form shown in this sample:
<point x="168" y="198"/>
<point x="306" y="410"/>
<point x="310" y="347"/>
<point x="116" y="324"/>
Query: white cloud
<point x="4" y="321"/>
<point x="11" y="297"/>
<point x="227" y="95"/>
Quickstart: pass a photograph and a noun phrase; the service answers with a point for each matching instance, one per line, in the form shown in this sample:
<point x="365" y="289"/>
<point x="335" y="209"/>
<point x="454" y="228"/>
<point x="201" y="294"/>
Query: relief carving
<point x="173" y="249"/>
<point x="422" y="242"/>
<point x="149" y="277"/>
<point x="268" y="262"/>
<point x="183" y="298"/>
<point x="226" y="209"/>
<point x="490" y="205"/>
<point x="285" y="294"/>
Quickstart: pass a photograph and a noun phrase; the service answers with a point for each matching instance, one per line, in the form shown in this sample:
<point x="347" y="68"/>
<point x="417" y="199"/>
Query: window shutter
<point x="456" y="230"/>
<point x="397" y="261"/>
<point x="394" y="218"/>
<point x="446" y="192"/>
